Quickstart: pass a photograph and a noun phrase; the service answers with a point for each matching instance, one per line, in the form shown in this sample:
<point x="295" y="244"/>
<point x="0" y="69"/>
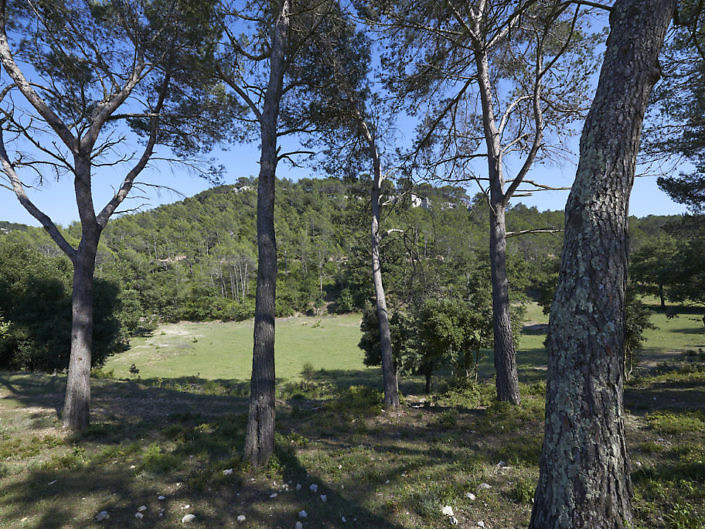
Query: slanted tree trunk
<point x="259" y="437"/>
<point x="389" y="371"/>
<point x="584" y="471"/>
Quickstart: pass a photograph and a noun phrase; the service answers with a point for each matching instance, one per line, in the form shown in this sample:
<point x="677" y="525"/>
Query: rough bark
<point x="507" y="381"/>
<point x="584" y="471"/>
<point x="76" y="412"/>
<point x="259" y="437"/>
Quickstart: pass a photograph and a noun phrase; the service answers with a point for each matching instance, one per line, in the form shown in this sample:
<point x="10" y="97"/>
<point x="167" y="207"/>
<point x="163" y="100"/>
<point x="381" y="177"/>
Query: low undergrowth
<point x="174" y="447"/>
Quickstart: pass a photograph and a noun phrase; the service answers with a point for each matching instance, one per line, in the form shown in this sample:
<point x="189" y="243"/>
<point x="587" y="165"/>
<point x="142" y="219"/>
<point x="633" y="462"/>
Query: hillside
<point x="196" y="259"/>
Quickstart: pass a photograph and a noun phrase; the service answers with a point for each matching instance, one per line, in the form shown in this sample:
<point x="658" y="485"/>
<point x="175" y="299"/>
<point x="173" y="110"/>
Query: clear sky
<point x="57" y="199"/>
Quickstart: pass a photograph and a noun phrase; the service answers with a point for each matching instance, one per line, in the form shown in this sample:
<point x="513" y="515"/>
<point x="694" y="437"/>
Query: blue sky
<point x="57" y="199"/>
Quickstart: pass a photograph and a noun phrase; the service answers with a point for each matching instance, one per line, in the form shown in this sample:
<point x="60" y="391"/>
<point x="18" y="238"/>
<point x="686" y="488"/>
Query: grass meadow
<point x="166" y="442"/>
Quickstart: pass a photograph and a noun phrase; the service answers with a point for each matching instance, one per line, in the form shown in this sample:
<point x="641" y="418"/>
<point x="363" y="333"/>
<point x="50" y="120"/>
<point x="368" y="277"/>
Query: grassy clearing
<point x="217" y="350"/>
<point x="178" y="436"/>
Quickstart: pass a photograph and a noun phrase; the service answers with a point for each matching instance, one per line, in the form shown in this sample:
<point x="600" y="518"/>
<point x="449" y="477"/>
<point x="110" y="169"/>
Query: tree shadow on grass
<point x="690" y="330"/>
<point x="146" y="440"/>
<point x="665" y="396"/>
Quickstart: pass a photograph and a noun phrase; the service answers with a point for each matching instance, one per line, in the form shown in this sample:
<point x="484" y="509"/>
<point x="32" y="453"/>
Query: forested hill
<point x="196" y="259"/>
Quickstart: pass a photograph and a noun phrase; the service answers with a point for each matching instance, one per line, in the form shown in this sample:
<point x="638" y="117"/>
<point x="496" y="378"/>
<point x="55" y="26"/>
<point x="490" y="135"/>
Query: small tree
<point x="455" y="330"/>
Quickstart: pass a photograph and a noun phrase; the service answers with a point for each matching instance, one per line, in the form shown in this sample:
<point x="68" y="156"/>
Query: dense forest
<point x="196" y="260"/>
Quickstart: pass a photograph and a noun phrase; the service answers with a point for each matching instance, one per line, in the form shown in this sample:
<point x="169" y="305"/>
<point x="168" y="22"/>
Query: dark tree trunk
<point x="584" y="471"/>
<point x="259" y="437"/>
<point x="504" y="354"/>
<point x="662" y="297"/>
<point x="76" y="412"/>
<point x="428" y="382"/>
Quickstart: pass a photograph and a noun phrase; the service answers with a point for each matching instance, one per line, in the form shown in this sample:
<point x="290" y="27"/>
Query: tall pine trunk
<point x="259" y="437"/>
<point x="507" y="381"/>
<point x="504" y="355"/>
<point x="584" y="471"/>
<point x="76" y="412"/>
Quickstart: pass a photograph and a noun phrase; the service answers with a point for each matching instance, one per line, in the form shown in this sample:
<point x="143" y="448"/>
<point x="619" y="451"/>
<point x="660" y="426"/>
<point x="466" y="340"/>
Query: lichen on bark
<point x="584" y="480"/>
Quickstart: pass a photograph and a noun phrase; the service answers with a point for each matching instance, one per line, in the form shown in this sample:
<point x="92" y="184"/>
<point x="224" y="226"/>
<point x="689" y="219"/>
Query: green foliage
<point x="156" y="460"/>
<point x="454" y="330"/>
<point x="523" y="490"/>
<point x="357" y="400"/>
<point x="35" y="304"/>
<point x="676" y="422"/>
<point x="637" y="321"/>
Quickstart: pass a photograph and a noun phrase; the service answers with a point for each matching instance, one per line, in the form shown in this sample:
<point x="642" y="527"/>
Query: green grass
<point x="177" y="430"/>
<point x="217" y="350"/>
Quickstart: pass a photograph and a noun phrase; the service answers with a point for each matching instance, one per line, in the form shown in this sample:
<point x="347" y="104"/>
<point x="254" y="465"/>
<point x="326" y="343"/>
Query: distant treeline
<point x="196" y="259"/>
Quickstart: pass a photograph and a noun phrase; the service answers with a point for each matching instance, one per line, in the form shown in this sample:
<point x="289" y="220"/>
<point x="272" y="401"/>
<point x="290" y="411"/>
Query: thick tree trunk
<point x="389" y="372"/>
<point x="259" y="437"/>
<point x="504" y="354"/>
<point x="584" y="481"/>
<point x="76" y="413"/>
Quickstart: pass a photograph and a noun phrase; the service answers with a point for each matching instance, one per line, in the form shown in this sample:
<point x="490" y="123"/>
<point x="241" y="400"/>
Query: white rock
<point x="51" y="482"/>
<point x="453" y="520"/>
<point x="313" y="488"/>
<point x="303" y="514"/>
<point x="273" y="495"/>
<point x="386" y="482"/>
<point x="188" y="518"/>
<point x="342" y="518"/>
<point x="161" y="513"/>
<point x="184" y="507"/>
<point x="102" y="515"/>
<point x="227" y="471"/>
<point x="298" y="486"/>
<point x="480" y="523"/>
<point x="470" y="496"/>
<point x="139" y="515"/>
<point x="324" y="498"/>
<point x="241" y="518"/>
<point x="447" y="510"/>
<point x="141" y="508"/>
<point x="501" y="464"/>
<point x="299" y="525"/>
<point x="161" y="498"/>
<point x="484" y="486"/>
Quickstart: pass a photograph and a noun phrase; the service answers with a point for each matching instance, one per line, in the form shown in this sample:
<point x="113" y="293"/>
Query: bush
<point x="35" y="305"/>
